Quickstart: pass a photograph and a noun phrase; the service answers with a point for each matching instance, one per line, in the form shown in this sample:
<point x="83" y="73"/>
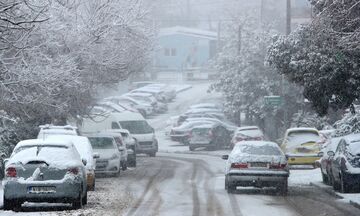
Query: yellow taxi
<point x="301" y="146"/>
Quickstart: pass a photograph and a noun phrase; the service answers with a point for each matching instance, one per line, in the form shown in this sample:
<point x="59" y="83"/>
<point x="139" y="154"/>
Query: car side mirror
<point x="96" y="155"/>
<point x="225" y="157"/>
<point x="331" y="153"/>
<point x="320" y="154"/>
<point x="84" y="161"/>
<point x="5" y="161"/>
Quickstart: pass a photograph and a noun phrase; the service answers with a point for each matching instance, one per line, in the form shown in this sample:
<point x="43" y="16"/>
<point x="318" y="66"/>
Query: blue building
<point x="180" y="49"/>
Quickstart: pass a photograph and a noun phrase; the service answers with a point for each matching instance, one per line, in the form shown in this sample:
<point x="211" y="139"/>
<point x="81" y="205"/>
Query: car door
<point x="336" y="164"/>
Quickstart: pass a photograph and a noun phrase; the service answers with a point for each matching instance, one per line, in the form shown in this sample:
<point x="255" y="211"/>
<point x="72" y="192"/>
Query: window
<point x="115" y="125"/>
<point x="173" y="52"/>
<point x="167" y="52"/>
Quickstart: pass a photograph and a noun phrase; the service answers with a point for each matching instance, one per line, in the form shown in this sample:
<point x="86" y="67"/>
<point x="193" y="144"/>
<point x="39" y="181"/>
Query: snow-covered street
<point x="178" y="182"/>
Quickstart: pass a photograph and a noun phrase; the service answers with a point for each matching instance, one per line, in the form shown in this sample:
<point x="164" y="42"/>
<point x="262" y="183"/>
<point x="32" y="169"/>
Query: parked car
<point x="249" y="133"/>
<point x="158" y="106"/>
<point x="213" y="136"/>
<point x="131" y="144"/>
<point x="109" y="161"/>
<point x="205" y="105"/>
<point x="182" y="132"/>
<point x="111" y="107"/>
<point x="345" y="167"/>
<point x="84" y="148"/>
<point x="301" y="145"/>
<point x="49" y="129"/>
<point x="144" y="109"/>
<point x="133" y="122"/>
<point x="169" y="91"/>
<point x="157" y="93"/>
<point x="258" y="164"/>
<point x="326" y="160"/>
<point x="44" y="171"/>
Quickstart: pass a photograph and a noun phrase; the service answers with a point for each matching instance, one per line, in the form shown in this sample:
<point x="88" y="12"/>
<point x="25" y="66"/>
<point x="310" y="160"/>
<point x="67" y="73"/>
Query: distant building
<point x="301" y="13"/>
<point x="182" y="49"/>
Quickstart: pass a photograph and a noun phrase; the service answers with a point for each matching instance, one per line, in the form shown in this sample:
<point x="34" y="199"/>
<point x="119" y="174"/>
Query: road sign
<point x="273" y="100"/>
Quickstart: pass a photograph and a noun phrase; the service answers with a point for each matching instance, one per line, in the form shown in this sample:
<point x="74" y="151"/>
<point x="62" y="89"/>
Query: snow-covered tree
<point x="324" y="56"/>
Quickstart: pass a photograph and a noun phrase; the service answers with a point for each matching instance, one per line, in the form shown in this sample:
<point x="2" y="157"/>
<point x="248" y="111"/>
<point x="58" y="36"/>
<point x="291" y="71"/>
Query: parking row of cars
<point x="62" y="163"/>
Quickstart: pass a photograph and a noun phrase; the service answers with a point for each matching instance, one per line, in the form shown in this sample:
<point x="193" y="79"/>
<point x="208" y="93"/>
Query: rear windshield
<point x="101" y="142"/>
<point x="201" y="131"/>
<point x="259" y="150"/>
<point x="302" y="137"/>
<point x="254" y="132"/>
<point x="136" y="127"/>
<point x="40" y="147"/>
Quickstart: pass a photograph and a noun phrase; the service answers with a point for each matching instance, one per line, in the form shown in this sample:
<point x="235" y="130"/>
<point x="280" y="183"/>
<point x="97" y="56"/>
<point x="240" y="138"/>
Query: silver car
<point x="258" y="164"/>
<point x="44" y="171"/>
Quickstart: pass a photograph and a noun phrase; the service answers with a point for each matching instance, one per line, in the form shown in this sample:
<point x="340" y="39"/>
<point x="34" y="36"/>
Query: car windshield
<point x="302" y="137"/>
<point x="101" y="142"/>
<point x="136" y="127"/>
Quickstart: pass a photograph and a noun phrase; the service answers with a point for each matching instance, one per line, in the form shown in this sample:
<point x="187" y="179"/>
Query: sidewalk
<point x="352" y="198"/>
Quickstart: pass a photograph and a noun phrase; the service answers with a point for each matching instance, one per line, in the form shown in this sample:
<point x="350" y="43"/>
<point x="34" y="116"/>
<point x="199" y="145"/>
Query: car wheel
<point x="230" y="188"/>
<point x="226" y="183"/>
<point x="344" y="187"/>
<point x="132" y="162"/>
<point x="191" y="148"/>
<point x="283" y="188"/>
<point x="11" y="204"/>
<point x="336" y="185"/>
<point x="124" y="166"/>
<point x="152" y="154"/>
<point x="325" y="178"/>
<point x="78" y="202"/>
<point x="84" y="199"/>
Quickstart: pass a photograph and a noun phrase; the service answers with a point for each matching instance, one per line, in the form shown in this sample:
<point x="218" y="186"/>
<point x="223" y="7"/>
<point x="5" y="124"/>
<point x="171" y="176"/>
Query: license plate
<point x="42" y="189"/>
<point x="258" y="164"/>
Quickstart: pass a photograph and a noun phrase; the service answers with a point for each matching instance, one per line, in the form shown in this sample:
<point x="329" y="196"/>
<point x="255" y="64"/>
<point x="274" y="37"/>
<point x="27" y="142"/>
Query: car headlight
<point x="114" y="156"/>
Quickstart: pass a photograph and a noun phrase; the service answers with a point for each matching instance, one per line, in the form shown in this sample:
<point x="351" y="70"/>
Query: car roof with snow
<point x="247" y="128"/>
<point x="31" y="142"/>
<point x="352" y="138"/>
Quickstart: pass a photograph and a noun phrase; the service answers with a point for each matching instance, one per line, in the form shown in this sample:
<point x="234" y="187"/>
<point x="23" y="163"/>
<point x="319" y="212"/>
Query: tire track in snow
<point x="195" y="194"/>
<point x="234" y="205"/>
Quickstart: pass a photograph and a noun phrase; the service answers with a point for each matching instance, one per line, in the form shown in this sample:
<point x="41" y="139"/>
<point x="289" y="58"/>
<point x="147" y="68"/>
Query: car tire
<point x="132" y="162"/>
<point x="336" y="185"/>
<point x="84" y="199"/>
<point x="152" y="154"/>
<point x="283" y="188"/>
<point x="344" y="187"/>
<point x="78" y="202"/>
<point x="11" y="204"/>
<point x="226" y="183"/>
<point x="124" y="166"/>
<point x="230" y="188"/>
<point x="325" y="178"/>
<point x="191" y="148"/>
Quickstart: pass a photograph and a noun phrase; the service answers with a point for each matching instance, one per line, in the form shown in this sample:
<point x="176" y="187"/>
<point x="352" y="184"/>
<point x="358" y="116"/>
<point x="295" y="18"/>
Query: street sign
<point x="273" y="100"/>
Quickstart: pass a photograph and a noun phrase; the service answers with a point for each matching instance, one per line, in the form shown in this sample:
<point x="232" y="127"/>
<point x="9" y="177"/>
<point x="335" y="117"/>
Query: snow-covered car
<point x="84" y="148"/>
<point x="131" y="144"/>
<point x="111" y="107"/>
<point x="144" y="109"/>
<point x="209" y="135"/>
<point x="302" y="146"/>
<point x="169" y="91"/>
<point x="49" y="129"/>
<point x="345" y="167"/>
<point x="44" y="171"/>
<point x="249" y="133"/>
<point x="157" y="93"/>
<point x="258" y="164"/>
<point x="326" y="160"/>
<point x="182" y="133"/>
<point x="159" y="107"/>
<point x="109" y="161"/>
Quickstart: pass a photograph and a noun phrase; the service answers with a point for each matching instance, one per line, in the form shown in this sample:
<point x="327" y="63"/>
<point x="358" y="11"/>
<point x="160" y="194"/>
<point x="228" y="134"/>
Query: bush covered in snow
<point x="348" y="125"/>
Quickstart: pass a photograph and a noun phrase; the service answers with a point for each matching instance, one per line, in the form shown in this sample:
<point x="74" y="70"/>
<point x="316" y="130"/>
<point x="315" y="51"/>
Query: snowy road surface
<point x="180" y="183"/>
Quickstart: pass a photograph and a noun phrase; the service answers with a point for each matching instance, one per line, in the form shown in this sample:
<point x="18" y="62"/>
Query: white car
<point x="109" y="161"/>
<point x="247" y="134"/>
<point x="258" y="164"/>
<point x="144" y="109"/>
<point x="83" y="146"/>
<point x="48" y="129"/>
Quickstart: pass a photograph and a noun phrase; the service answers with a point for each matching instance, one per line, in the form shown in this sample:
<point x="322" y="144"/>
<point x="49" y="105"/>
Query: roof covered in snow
<point x="193" y="32"/>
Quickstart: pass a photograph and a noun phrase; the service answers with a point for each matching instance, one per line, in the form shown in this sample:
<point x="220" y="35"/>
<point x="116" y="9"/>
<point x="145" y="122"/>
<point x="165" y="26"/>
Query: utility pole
<point x="238" y="114"/>
<point x="288" y="17"/>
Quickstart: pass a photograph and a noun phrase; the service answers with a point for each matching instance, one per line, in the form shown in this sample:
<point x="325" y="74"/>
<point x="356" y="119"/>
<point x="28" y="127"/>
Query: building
<point x="185" y="51"/>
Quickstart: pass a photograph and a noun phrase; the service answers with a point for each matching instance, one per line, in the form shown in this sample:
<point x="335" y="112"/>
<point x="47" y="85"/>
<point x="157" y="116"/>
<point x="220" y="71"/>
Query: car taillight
<point x="239" y="165"/>
<point x="277" y="166"/>
<point x="73" y="171"/>
<point x="11" y="172"/>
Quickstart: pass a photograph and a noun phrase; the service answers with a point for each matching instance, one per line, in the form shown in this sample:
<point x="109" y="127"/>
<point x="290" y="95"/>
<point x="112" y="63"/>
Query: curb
<point x="330" y="191"/>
